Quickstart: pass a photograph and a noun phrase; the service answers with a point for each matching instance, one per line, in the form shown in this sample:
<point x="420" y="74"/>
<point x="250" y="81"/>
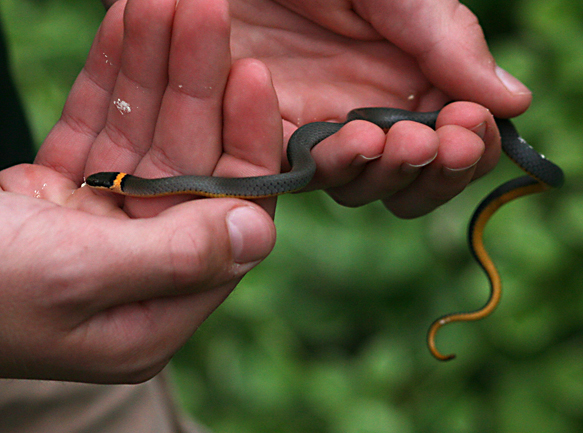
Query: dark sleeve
<point x="16" y="143"/>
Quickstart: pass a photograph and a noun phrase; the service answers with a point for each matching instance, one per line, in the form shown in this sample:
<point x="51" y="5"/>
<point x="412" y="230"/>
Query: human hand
<point x="328" y="57"/>
<point x="89" y="293"/>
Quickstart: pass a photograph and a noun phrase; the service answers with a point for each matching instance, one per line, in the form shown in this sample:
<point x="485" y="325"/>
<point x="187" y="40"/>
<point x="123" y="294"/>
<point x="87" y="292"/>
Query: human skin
<point x="328" y="57"/>
<point x="103" y="289"/>
<point x="90" y="291"/>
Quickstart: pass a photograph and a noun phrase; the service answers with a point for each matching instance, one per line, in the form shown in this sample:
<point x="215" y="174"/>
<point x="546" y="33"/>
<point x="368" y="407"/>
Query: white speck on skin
<point x="122" y="106"/>
<point x="38" y="192"/>
<point x="107" y="61"/>
<point x="411" y="96"/>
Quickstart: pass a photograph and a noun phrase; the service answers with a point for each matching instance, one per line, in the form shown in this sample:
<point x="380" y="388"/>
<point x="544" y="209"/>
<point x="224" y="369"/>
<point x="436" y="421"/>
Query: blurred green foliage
<point x="328" y="334"/>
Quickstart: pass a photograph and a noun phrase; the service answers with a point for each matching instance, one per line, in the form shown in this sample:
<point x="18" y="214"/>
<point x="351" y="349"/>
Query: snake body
<point x="542" y="174"/>
<point x="298" y="153"/>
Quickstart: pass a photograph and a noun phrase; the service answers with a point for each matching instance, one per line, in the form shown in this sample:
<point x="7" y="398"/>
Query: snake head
<point x="106" y="180"/>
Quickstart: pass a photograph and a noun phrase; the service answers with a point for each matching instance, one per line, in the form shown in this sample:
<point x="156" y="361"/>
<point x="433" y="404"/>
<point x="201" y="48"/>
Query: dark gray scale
<point x="522" y="153"/>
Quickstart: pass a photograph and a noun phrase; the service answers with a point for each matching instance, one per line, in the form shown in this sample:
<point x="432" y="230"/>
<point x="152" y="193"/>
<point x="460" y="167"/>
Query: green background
<point x="328" y="334"/>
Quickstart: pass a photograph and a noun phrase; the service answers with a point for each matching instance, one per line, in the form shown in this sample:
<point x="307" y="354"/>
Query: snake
<point x="540" y="174"/>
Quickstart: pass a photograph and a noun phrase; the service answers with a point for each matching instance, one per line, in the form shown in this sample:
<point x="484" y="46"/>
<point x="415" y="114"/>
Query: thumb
<point x="211" y="241"/>
<point x="193" y="247"/>
<point x="449" y="45"/>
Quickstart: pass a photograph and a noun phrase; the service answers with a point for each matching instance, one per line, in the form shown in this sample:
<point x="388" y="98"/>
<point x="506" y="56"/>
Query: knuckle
<point x="197" y="259"/>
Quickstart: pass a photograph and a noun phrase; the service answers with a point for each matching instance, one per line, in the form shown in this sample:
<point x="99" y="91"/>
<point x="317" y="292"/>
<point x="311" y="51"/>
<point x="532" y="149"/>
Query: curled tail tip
<point x="441" y="357"/>
<point x="435" y="326"/>
<point x="436" y="353"/>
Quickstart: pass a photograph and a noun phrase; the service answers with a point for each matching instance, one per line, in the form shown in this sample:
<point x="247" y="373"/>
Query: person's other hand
<point x="328" y="57"/>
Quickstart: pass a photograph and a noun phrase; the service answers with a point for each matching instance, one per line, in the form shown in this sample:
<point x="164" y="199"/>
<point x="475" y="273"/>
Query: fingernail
<point x="480" y="130"/>
<point x="455" y="173"/>
<point x="512" y="83"/>
<point x="250" y="233"/>
<point x="362" y="159"/>
<point x="408" y="167"/>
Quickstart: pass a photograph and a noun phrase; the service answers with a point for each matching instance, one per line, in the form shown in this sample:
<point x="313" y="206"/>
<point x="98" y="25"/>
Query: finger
<point x="449" y="45"/>
<point x="342" y="157"/>
<point x="459" y="153"/>
<point x="191" y="247"/>
<point x="140" y="85"/>
<point x="253" y="129"/>
<point x="188" y="136"/>
<point x="66" y="147"/>
<point x="479" y="120"/>
<point x="407" y="147"/>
